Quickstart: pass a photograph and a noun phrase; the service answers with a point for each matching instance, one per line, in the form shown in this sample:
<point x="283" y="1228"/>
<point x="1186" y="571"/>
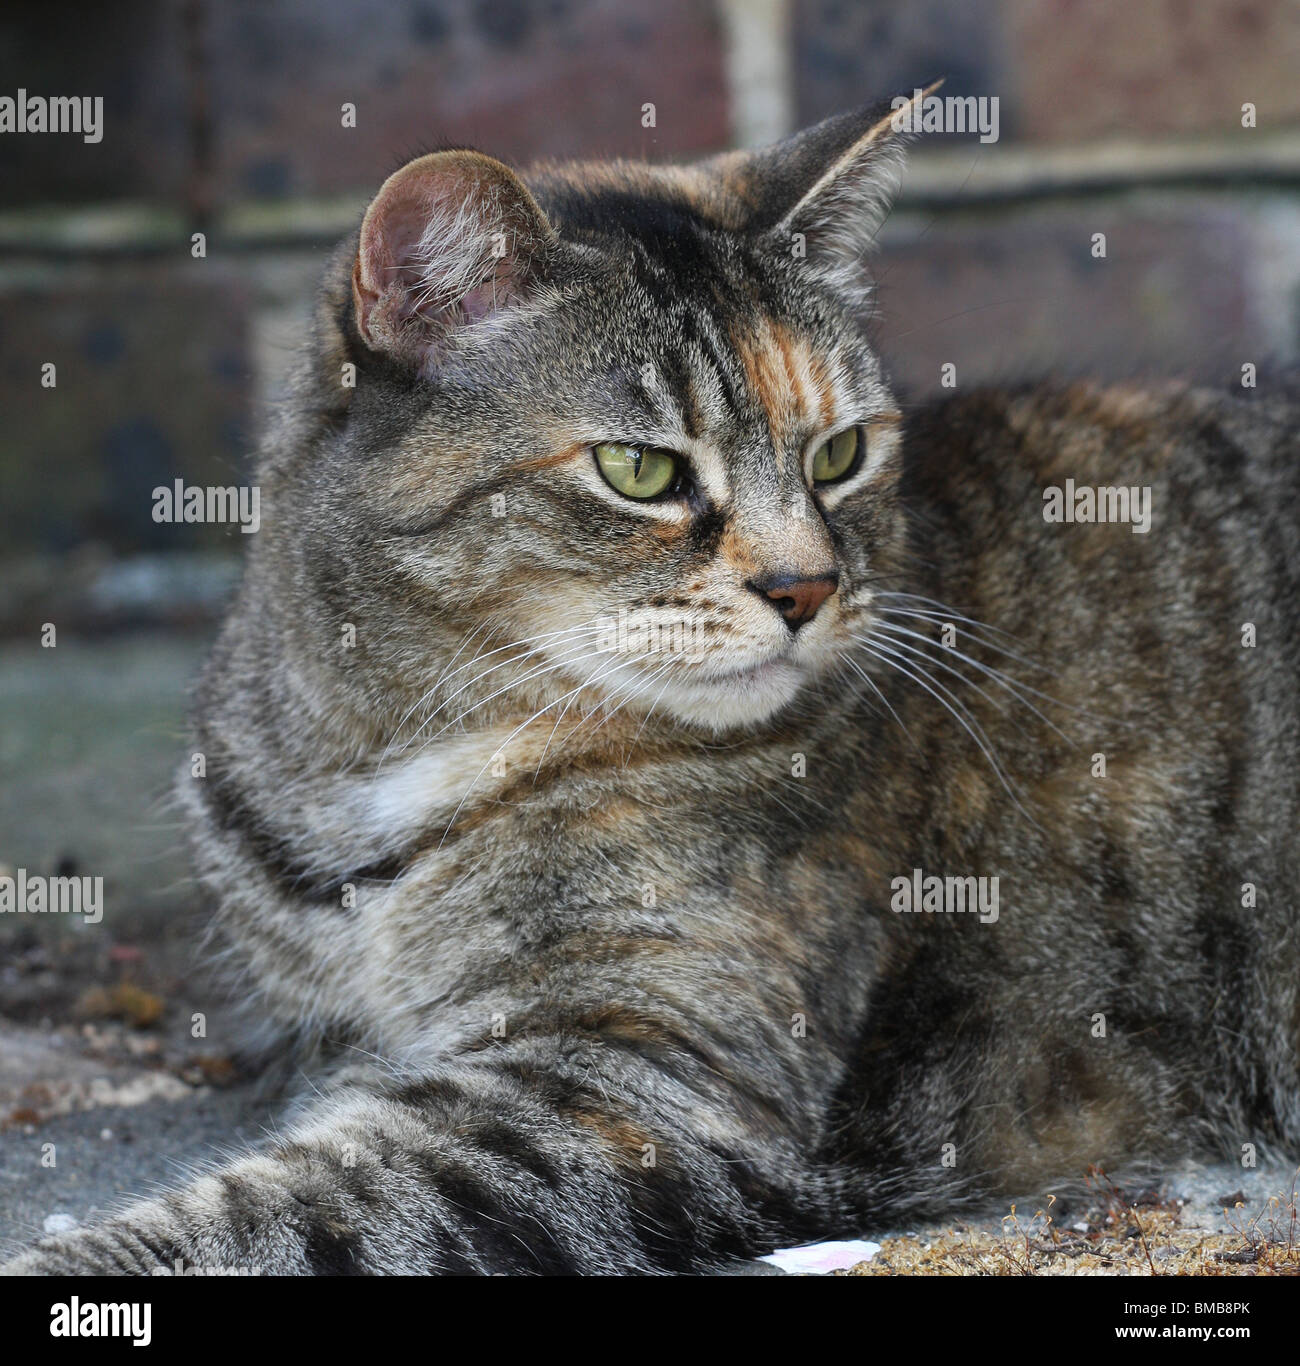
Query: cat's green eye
<point x="636" y="471"/>
<point x="834" y="459"/>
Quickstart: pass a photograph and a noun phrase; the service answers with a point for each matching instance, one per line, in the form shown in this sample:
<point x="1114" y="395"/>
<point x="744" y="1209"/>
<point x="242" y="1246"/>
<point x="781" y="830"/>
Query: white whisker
<point x="953" y="705"/>
<point x="1009" y="685"/>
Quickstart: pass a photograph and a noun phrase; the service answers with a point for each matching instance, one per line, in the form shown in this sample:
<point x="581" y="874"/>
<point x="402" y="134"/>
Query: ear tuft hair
<point x="828" y="189"/>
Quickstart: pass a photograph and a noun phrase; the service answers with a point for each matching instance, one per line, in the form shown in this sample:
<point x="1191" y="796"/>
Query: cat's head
<point x="626" y="417"/>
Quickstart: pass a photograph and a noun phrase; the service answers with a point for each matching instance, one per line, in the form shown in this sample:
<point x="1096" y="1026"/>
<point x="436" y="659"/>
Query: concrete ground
<point x="117" y="1129"/>
<point x="104" y="1089"/>
<point x="109" y="1088"/>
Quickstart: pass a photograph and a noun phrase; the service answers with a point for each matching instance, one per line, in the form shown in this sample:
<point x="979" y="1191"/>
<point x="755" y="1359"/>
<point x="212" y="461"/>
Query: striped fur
<point x="616" y="930"/>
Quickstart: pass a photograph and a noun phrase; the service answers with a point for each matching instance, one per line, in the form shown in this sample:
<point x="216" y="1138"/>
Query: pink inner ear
<point x="386" y="278"/>
<point x="392" y="243"/>
<point x="491" y="296"/>
<point x="427" y="261"/>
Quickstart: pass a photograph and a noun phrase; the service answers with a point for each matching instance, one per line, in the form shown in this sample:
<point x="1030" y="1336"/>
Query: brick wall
<point x="1115" y="118"/>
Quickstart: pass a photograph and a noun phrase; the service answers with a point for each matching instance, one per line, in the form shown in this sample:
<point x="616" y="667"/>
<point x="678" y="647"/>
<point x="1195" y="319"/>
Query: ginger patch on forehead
<point x="786" y="377"/>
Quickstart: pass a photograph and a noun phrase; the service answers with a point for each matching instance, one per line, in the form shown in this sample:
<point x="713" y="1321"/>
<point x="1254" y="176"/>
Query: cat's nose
<point x="797" y="599"/>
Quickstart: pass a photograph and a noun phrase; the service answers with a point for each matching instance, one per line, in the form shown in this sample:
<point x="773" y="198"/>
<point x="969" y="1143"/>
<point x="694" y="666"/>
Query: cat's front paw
<point x="56" y="1257"/>
<point x="110" y="1249"/>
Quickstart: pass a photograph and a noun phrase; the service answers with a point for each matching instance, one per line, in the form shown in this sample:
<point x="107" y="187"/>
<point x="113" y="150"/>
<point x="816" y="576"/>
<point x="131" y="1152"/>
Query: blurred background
<point x="1120" y="117"/>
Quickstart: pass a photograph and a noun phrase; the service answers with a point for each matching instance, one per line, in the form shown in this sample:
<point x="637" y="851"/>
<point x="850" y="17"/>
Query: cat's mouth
<point x="739" y="695"/>
<point x="757" y="674"/>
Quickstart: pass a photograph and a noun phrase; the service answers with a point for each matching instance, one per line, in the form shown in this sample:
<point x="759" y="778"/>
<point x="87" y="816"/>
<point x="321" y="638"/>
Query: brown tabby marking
<point x="617" y="929"/>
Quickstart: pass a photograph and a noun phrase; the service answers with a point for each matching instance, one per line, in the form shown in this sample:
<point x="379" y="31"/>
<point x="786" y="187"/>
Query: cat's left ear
<point x="450" y="239"/>
<point x="823" y="193"/>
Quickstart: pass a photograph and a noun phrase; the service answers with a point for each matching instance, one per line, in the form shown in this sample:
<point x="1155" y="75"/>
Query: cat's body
<point x="634" y="978"/>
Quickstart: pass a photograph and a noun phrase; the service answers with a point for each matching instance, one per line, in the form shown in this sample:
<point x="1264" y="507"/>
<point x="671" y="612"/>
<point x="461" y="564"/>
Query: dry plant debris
<point x="1117" y="1233"/>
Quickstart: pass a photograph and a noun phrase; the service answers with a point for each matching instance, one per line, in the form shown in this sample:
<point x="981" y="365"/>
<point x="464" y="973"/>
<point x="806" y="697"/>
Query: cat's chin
<point x="735" y="700"/>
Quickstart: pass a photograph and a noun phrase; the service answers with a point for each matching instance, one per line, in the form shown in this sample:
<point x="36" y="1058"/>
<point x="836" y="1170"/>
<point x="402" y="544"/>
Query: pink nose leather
<point x="796" y="599"/>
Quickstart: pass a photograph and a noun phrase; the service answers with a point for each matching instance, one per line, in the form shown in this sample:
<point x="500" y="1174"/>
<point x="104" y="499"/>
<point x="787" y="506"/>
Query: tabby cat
<point x="703" y="806"/>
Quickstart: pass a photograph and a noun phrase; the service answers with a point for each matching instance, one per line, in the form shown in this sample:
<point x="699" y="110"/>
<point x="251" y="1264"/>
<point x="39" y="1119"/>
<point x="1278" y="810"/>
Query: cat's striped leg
<point x="545" y="1156"/>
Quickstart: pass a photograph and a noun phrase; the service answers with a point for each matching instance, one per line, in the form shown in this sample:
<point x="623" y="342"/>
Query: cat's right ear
<point x="450" y="240"/>
<point x="825" y="192"/>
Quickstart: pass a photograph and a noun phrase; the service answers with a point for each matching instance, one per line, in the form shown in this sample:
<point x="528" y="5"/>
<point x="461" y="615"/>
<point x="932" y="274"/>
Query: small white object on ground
<point x="818" y="1259"/>
<point x="59" y="1223"/>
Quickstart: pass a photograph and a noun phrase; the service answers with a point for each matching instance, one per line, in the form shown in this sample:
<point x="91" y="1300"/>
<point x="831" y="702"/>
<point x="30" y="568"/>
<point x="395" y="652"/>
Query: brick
<point x="1018" y="294"/>
<point x="1115" y="68"/>
<point x="847" y="54"/>
<point x="152" y="367"/>
<point x="519" y="78"/>
<point x="131" y="57"/>
<point x="522" y="78"/>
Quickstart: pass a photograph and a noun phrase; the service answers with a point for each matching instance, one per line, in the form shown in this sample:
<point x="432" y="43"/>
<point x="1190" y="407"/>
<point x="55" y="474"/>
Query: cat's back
<point x="1190" y="443"/>
<point x="1172" y="508"/>
<point x="1140" y="548"/>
